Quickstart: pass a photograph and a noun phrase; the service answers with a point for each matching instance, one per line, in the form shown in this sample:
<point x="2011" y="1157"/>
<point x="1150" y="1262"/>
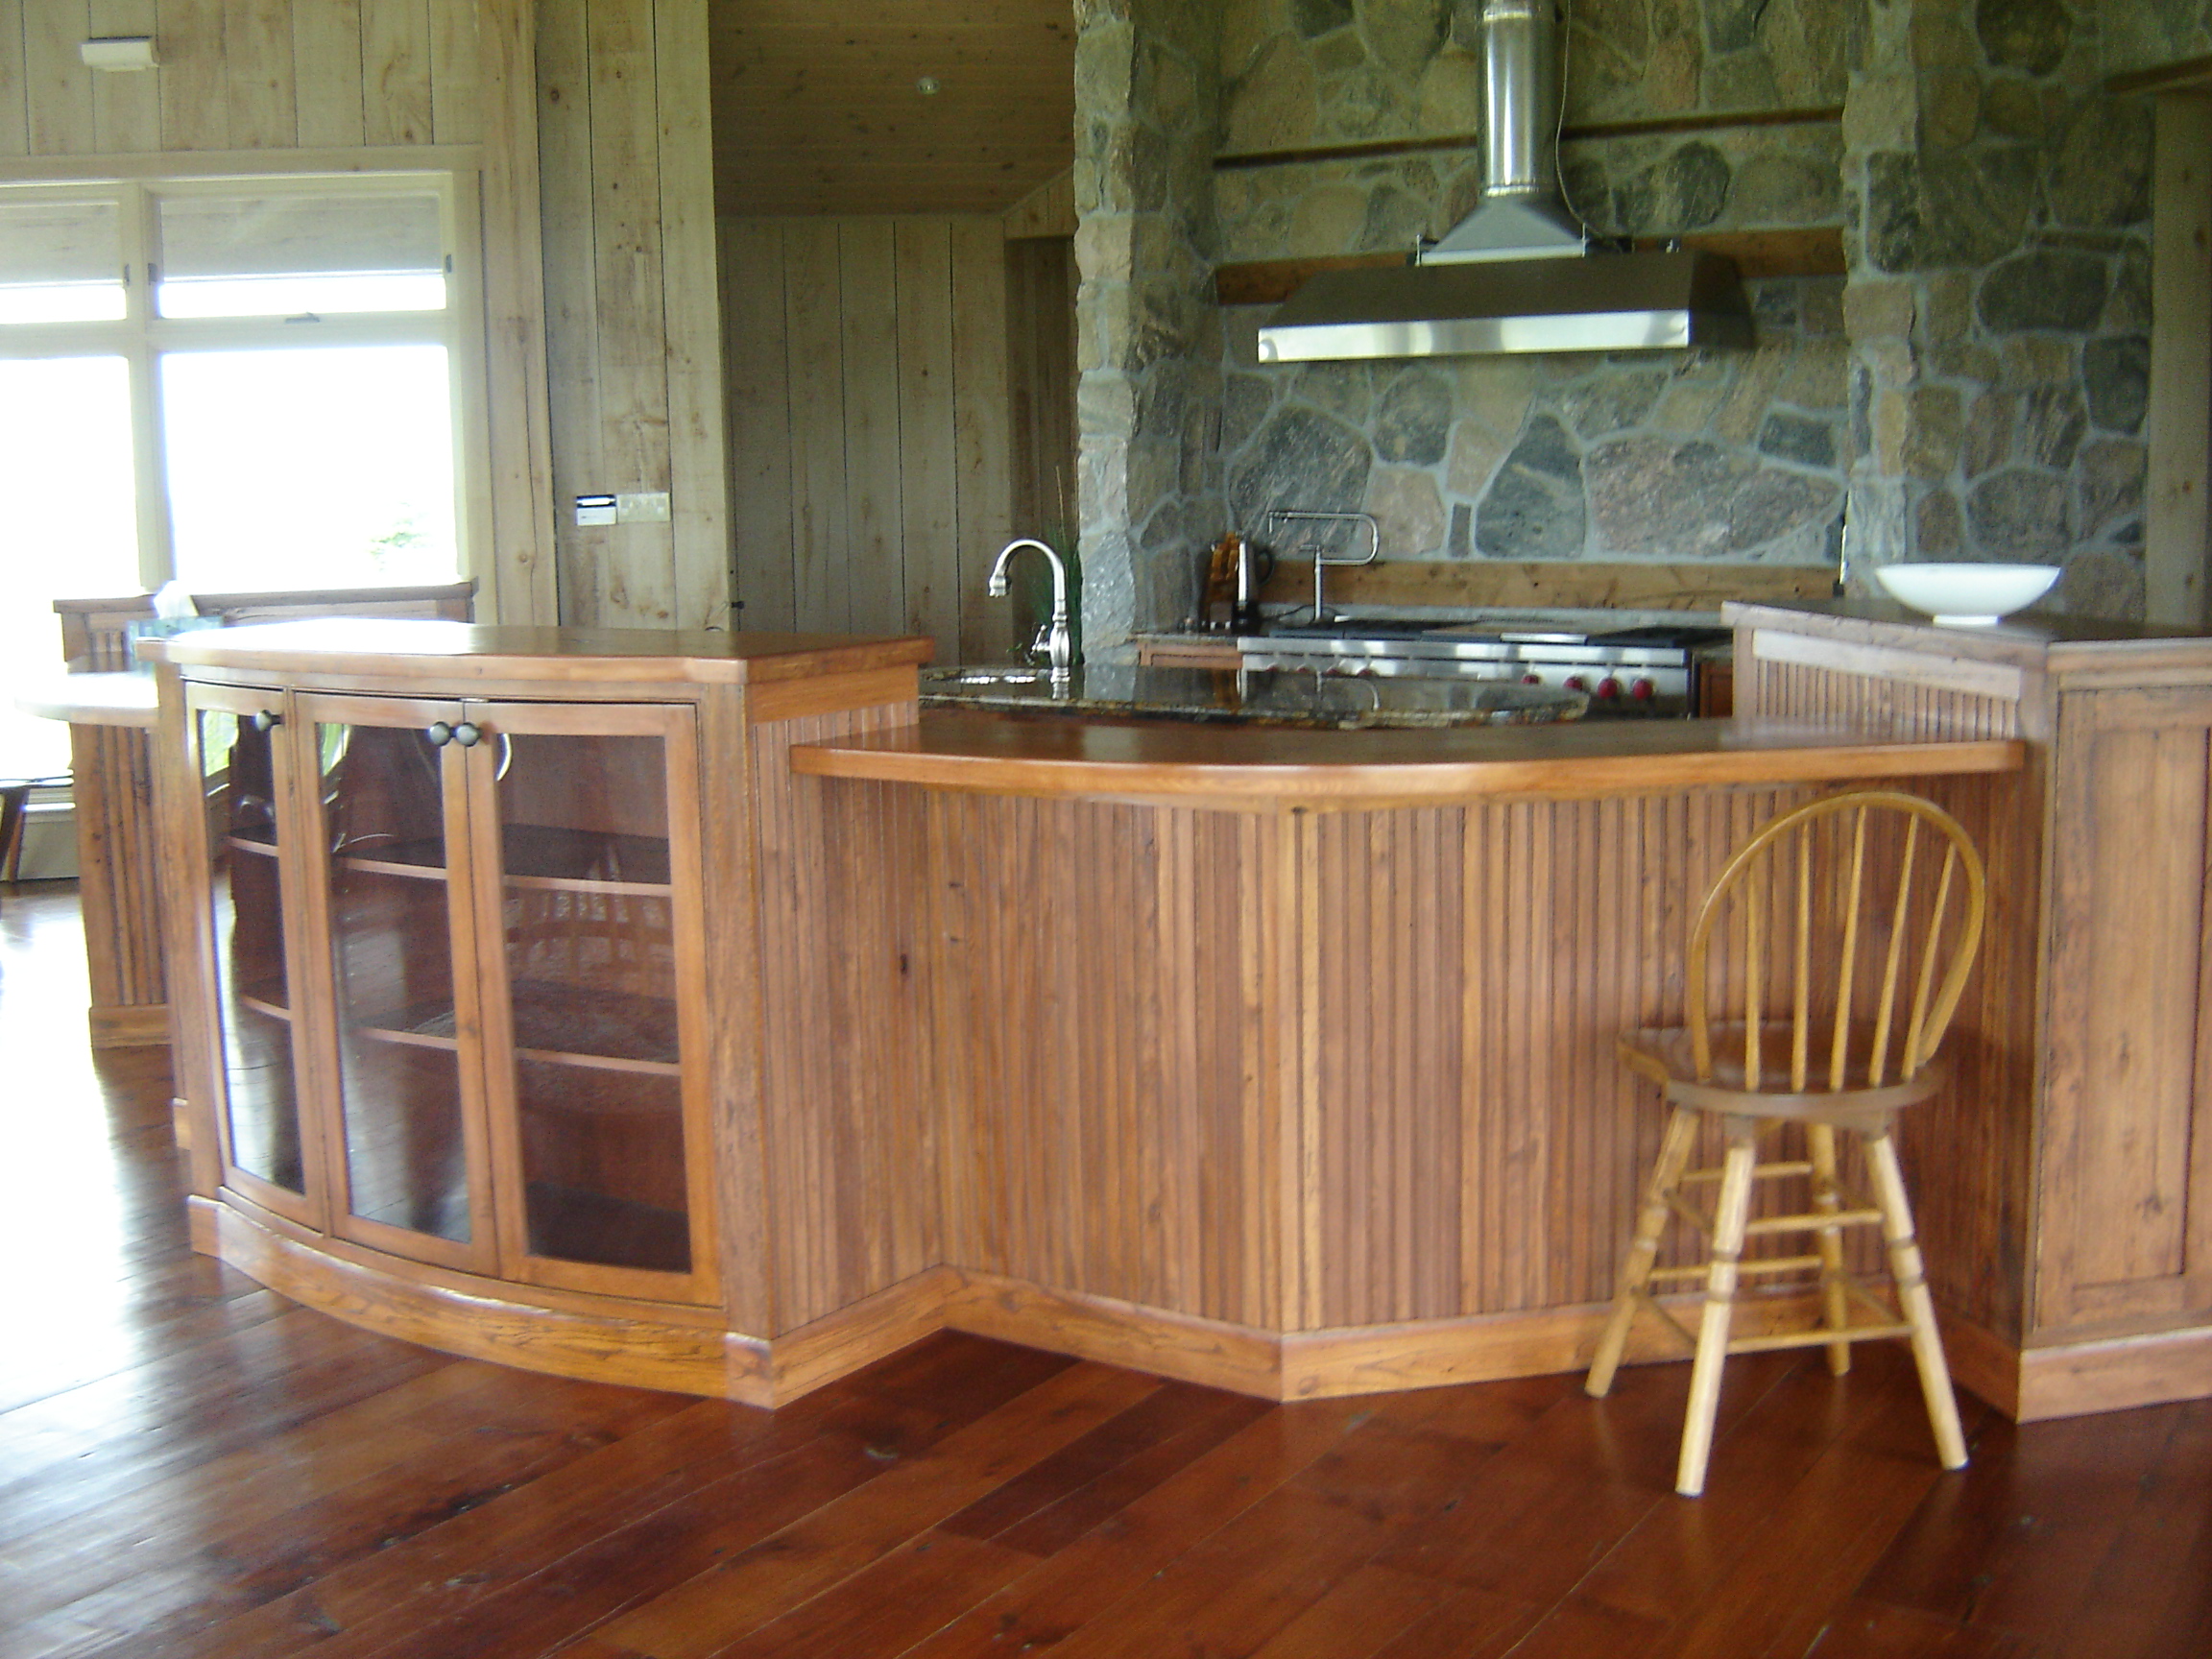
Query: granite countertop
<point x="1267" y="697"/>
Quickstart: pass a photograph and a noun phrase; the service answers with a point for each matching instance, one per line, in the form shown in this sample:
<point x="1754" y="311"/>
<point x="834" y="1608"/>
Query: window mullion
<point x="157" y="557"/>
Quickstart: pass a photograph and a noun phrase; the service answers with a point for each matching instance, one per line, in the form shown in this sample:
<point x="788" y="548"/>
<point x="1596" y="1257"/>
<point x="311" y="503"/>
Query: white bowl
<point x="1967" y="595"/>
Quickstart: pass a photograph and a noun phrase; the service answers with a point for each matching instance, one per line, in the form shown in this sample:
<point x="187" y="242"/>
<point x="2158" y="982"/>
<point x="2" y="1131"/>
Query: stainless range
<point x="1651" y="667"/>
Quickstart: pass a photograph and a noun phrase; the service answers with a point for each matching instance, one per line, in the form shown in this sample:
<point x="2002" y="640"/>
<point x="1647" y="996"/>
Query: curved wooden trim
<point x="1258" y="769"/>
<point x="564" y="1342"/>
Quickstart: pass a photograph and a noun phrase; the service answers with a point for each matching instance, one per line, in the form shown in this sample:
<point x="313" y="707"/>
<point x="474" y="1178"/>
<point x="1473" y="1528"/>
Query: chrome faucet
<point x="1059" y="644"/>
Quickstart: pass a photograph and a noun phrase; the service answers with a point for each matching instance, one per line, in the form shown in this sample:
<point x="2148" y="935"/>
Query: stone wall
<point x="2146" y="34"/>
<point x="1700" y="455"/>
<point x="1148" y="331"/>
<point x="1999" y="310"/>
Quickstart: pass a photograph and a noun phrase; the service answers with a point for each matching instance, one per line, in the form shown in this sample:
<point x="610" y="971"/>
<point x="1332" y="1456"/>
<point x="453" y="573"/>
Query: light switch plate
<point x="642" y="507"/>
<point x="595" y="508"/>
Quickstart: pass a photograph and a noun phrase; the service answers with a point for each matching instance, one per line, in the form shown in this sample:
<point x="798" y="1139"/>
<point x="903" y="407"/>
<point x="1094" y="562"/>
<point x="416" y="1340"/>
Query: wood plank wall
<point x="630" y="279"/>
<point x="328" y="85"/>
<point x="277" y="75"/>
<point x="873" y="424"/>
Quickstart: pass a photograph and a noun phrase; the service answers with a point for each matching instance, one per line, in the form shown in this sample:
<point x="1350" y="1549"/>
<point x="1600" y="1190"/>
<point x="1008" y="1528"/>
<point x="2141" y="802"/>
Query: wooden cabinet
<point x="2127" y="1168"/>
<point x="2066" y="1176"/>
<point x="456" y="950"/>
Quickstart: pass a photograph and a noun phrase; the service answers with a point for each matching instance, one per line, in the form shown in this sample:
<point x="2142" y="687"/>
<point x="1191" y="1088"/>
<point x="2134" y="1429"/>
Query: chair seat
<point x="1665" y="1054"/>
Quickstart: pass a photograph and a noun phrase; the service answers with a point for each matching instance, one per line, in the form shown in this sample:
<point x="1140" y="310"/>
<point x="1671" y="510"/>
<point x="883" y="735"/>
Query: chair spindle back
<point x="1872" y="873"/>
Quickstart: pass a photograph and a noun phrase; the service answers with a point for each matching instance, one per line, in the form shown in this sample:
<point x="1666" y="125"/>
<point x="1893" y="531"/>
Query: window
<point x="241" y="384"/>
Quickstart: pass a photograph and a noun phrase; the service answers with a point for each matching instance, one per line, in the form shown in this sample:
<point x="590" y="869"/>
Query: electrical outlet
<point x="642" y="507"/>
<point x="595" y="510"/>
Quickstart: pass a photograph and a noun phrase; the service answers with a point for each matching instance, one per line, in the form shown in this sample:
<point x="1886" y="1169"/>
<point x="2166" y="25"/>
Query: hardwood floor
<point x="190" y="1465"/>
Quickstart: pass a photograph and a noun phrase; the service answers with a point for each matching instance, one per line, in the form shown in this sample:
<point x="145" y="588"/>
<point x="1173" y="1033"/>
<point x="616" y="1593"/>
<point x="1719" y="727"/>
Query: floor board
<point x="192" y="1467"/>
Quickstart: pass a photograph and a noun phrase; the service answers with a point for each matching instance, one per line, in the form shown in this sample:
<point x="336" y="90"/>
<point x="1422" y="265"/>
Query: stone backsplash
<point x="2146" y="34"/>
<point x="1974" y="389"/>
<point x="2000" y="304"/>
<point x="1722" y="455"/>
<point x="1728" y="455"/>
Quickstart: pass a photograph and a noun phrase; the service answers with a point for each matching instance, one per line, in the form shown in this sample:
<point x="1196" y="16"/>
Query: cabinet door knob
<point x="467" y="734"/>
<point x="439" y="732"/>
<point x="264" y="718"/>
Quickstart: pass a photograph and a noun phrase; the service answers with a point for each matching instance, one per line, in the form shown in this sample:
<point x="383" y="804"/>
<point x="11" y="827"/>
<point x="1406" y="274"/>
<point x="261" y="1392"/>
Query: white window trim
<point x="140" y="337"/>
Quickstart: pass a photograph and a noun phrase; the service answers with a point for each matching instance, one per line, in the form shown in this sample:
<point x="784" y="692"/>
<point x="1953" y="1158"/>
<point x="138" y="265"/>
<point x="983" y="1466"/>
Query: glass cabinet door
<point x="238" y="740"/>
<point x="588" y="909"/>
<point x="392" y="917"/>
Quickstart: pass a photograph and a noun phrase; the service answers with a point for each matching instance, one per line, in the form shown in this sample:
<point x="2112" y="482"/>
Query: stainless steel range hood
<point x="1518" y="274"/>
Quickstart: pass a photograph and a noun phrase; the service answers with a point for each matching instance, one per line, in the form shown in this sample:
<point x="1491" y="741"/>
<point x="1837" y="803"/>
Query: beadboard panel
<point x="848" y="1143"/>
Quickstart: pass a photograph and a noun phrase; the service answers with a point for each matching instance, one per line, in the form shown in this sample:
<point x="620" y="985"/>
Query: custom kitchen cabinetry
<point x="2126" y="1173"/>
<point x="457" y="962"/>
<point x="493" y="1026"/>
<point x="2066" y="1177"/>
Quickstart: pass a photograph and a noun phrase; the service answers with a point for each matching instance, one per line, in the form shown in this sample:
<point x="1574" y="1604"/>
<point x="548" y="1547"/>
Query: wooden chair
<point x="1842" y="915"/>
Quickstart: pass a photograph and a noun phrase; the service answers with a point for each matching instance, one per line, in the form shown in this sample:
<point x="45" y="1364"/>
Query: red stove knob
<point x="1642" y="690"/>
<point x="1575" y="683"/>
<point x="1531" y="678"/>
<point x="1609" y="689"/>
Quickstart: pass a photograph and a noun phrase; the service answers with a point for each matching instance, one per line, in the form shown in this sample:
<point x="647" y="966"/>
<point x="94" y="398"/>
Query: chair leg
<point x="1836" y="1300"/>
<point x="1732" y="1213"/>
<point x="1636" y="1272"/>
<point x="1919" y="1308"/>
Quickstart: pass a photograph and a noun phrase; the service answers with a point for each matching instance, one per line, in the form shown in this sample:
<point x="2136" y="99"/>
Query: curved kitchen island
<point x="694" y="1011"/>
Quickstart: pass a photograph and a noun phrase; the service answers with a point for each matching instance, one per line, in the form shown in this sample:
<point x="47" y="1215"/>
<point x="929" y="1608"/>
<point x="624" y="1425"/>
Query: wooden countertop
<point x="93" y="700"/>
<point x="1269" y="767"/>
<point x="1884" y="633"/>
<point x="464" y="651"/>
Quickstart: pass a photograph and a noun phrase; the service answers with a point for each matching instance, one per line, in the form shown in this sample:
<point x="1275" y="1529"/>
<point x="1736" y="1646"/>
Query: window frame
<point x="142" y="338"/>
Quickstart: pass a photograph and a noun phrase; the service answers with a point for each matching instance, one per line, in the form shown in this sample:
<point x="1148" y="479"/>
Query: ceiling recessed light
<point x="927" y="86"/>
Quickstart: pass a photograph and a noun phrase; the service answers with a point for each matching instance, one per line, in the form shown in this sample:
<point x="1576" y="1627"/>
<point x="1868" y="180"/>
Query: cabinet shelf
<point x="418" y="861"/>
<point x="263" y="997"/>
<point x="265" y="845"/>
<point x="621" y="1031"/>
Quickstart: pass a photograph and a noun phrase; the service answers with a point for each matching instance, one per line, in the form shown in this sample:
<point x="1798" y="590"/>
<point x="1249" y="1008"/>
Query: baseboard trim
<point x="625" y="1345"/>
<point x="597" y="1348"/>
<point x="2078" y="1378"/>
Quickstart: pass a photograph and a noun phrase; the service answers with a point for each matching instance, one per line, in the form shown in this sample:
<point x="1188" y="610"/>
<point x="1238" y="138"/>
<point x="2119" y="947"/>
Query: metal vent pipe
<point x="1521" y="95"/>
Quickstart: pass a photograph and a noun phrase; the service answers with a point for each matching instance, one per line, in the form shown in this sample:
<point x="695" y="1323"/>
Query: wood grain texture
<point x="698" y="455"/>
<point x="848" y="1141"/>
<point x="870" y="421"/>
<point x="116" y="864"/>
<point x="2069" y="1215"/>
<point x="198" y="1466"/>
<point x="818" y="113"/>
<point x="759" y="423"/>
<point x="1266" y="769"/>
<point x="2127" y="1188"/>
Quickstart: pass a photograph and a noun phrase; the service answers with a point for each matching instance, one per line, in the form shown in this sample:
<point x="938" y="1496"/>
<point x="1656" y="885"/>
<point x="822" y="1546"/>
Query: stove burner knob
<point x="1642" y="690"/>
<point x="1575" y="683"/>
<point x="1609" y="689"/>
<point x="1531" y="678"/>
